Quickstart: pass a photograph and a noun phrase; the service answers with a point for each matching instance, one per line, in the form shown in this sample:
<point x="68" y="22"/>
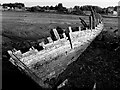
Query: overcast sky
<point x="66" y="3"/>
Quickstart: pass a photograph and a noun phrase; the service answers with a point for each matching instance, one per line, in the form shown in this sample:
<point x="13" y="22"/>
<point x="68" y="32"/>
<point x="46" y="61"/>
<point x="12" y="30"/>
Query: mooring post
<point x="64" y="36"/>
<point x="79" y="28"/>
<point x="50" y="39"/>
<point x="42" y="44"/>
<point x="93" y="18"/>
<point x="70" y="33"/>
<point x="56" y="34"/>
<point x="90" y="22"/>
<point x="70" y="36"/>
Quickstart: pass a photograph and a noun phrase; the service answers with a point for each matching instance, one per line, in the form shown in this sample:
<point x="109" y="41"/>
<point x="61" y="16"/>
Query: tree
<point x="61" y="9"/>
<point x="36" y="9"/>
<point x="60" y="5"/>
<point x="10" y="5"/>
<point x="116" y="8"/>
<point x="76" y="8"/>
<point x="97" y="9"/>
<point x="85" y="8"/>
<point x="47" y="7"/>
<point x="56" y="7"/>
<point x="13" y="5"/>
<point x="51" y="8"/>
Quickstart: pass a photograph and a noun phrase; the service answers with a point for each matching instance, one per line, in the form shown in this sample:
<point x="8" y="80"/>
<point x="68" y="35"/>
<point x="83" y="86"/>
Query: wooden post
<point x="64" y="36"/>
<point x="56" y="34"/>
<point x="90" y="22"/>
<point x="42" y="44"/>
<point x="70" y="29"/>
<point x="70" y="34"/>
<point x="83" y="22"/>
<point x="50" y="39"/>
<point x="79" y="28"/>
<point x="33" y="48"/>
<point x="93" y="18"/>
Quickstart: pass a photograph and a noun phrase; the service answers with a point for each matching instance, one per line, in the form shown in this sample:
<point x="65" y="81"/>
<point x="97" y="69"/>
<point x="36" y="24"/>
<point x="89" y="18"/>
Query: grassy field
<point x="17" y="27"/>
<point x="20" y="26"/>
<point x="28" y="25"/>
<point x="35" y="25"/>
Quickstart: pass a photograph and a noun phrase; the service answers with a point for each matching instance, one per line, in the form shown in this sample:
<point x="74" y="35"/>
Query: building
<point x="19" y="9"/>
<point x="110" y="9"/>
<point x="115" y="13"/>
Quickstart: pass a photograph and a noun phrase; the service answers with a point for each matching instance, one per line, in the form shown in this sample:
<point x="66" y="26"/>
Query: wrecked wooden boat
<point x="56" y="55"/>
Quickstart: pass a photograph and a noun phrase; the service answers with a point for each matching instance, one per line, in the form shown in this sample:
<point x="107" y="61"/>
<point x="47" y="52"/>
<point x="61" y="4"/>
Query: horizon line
<point x="65" y="4"/>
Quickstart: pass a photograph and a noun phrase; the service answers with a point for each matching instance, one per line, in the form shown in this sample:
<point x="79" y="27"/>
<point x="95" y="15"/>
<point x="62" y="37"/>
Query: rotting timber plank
<point x="31" y="73"/>
<point x="55" y="67"/>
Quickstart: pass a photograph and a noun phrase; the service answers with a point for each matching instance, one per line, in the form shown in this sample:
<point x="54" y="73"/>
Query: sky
<point x="66" y="3"/>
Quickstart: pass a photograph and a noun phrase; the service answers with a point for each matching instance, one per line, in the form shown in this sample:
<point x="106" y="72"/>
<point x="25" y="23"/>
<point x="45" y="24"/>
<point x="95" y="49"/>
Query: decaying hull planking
<point x="57" y="55"/>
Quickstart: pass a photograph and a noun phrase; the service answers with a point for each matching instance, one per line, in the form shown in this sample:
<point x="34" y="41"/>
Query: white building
<point x="115" y="13"/>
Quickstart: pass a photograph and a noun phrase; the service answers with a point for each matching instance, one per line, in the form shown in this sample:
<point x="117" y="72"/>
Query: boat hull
<point x="42" y="67"/>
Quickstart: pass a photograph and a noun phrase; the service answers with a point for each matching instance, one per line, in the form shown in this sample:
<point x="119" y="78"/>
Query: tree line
<point x="78" y="10"/>
<point x="61" y="9"/>
<point x="13" y="5"/>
